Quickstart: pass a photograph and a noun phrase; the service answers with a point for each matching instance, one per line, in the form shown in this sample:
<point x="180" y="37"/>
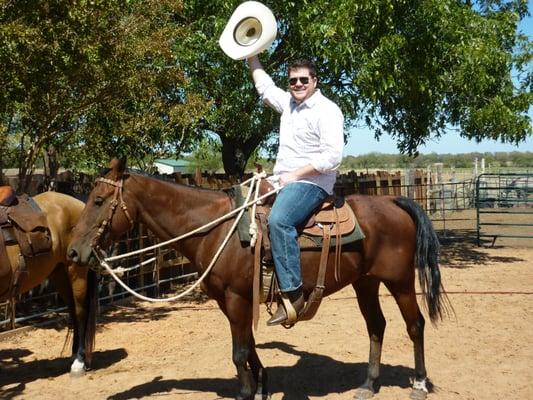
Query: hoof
<point x="257" y="396"/>
<point x="240" y="397"/>
<point x="418" y="394"/>
<point x="77" y="373"/>
<point x="77" y="369"/>
<point x="363" y="394"/>
<point x="261" y="392"/>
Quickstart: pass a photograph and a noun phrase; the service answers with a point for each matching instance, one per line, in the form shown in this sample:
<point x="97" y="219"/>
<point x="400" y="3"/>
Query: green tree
<point x="411" y="69"/>
<point x="92" y="79"/>
<point x="147" y="78"/>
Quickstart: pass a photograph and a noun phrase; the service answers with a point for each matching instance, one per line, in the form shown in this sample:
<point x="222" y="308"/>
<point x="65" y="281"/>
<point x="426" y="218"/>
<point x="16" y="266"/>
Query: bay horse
<point x="399" y="240"/>
<point x="75" y="284"/>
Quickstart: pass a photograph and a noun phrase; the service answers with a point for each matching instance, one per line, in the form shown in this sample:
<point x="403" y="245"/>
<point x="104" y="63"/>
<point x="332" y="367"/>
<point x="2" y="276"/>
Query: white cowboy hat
<point x="251" y="29"/>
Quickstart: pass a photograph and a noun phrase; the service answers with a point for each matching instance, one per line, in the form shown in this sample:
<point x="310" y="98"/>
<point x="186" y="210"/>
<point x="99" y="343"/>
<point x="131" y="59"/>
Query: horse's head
<point x="108" y="213"/>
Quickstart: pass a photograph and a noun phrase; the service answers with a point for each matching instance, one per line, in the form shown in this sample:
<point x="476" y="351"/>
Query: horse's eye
<point x="98" y="201"/>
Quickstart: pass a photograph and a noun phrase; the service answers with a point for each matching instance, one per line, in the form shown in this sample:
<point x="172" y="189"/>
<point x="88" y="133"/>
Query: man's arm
<point x="303" y="172"/>
<point x="269" y="92"/>
<point x="256" y="69"/>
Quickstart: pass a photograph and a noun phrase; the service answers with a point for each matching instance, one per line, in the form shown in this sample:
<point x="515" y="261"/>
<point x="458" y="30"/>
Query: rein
<point x="105" y="260"/>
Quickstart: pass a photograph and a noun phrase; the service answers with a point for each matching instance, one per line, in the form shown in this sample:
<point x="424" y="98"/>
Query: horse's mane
<point x="229" y="190"/>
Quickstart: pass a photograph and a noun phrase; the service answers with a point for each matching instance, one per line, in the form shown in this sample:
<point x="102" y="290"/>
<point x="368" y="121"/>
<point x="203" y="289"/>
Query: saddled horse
<point x="75" y="284"/>
<point x="399" y="240"/>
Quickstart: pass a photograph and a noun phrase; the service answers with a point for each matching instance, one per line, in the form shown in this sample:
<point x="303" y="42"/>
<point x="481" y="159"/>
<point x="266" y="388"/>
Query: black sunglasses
<point x="303" y="79"/>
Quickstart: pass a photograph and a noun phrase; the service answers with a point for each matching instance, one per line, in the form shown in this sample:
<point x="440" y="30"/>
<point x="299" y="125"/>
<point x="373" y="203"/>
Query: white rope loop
<point x="105" y="261"/>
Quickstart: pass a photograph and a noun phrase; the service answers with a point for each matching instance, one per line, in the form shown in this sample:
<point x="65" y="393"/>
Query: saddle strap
<point x="260" y="212"/>
<point x="5" y="264"/>
<point x="315" y="298"/>
<point x="257" y="278"/>
<point x="337" y="249"/>
<point x="15" y="278"/>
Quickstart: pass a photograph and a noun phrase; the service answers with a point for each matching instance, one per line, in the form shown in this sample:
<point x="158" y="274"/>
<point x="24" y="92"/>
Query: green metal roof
<point x="173" y="163"/>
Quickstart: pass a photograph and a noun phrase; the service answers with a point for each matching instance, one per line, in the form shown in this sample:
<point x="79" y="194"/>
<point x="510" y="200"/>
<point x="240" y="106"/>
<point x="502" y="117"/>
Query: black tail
<point x="426" y="259"/>
<point x="91" y="306"/>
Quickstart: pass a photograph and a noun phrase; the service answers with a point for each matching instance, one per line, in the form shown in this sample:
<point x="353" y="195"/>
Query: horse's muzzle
<point x="80" y="255"/>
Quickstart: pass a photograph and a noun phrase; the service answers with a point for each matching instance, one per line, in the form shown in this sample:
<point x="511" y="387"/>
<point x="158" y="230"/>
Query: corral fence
<point x="446" y="199"/>
<point x="154" y="272"/>
<point x="504" y="206"/>
<point x="163" y="270"/>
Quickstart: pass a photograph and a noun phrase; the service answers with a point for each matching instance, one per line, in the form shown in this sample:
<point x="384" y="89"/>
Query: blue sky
<point x="362" y="140"/>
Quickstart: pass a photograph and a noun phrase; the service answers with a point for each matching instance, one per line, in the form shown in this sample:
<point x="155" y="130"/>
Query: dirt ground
<point x="182" y="350"/>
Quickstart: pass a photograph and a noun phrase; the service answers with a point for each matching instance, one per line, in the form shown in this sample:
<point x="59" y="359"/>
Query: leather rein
<point x="117" y="200"/>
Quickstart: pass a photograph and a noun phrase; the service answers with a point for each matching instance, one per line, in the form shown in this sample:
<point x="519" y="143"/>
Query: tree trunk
<point x="50" y="167"/>
<point x="26" y="170"/>
<point x="235" y="155"/>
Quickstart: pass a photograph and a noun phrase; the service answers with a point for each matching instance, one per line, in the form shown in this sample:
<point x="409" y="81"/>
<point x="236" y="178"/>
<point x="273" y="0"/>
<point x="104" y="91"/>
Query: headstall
<point x="117" y="199"/>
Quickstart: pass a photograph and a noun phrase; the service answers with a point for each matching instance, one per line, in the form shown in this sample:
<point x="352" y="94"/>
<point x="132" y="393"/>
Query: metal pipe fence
<point x="165" y="271"/>
<point x="504" y="206"/>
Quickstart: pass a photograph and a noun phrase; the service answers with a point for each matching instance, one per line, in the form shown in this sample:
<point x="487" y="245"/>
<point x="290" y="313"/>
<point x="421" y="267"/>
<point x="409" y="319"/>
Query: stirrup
<point x="287" y="312"/>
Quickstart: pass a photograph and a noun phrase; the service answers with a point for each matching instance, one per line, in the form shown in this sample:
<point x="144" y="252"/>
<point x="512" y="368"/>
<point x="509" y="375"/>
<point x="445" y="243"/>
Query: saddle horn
<point x="250" y="30"/>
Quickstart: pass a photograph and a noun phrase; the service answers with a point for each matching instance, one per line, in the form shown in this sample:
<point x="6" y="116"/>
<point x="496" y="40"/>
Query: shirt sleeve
<point x="331" y="130"/>
<point x="272" y="95"/>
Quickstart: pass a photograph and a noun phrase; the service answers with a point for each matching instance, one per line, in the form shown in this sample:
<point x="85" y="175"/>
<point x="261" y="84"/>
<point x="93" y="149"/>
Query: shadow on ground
<point x="312" y="375"/>
<point x="459" y="249"/>
<point x="14" y="370"/>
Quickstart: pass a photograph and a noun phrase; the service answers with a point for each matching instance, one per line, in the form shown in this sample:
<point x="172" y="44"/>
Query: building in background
<point x="170" y="166"/>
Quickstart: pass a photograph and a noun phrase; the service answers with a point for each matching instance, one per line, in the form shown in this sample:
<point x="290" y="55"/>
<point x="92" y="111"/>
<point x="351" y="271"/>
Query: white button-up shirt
<point x="310" y="133"/>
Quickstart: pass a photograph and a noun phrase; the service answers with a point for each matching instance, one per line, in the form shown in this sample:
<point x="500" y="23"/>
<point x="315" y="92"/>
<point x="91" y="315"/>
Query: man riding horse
<point x="310" y="150"/>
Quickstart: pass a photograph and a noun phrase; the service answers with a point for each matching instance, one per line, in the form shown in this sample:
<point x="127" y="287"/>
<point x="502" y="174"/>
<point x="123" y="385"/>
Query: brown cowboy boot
<point x="281" y="315"/>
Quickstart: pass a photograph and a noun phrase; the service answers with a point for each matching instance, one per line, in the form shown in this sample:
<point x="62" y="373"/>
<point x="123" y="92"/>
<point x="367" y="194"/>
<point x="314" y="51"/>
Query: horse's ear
<point x="118" y="166"/>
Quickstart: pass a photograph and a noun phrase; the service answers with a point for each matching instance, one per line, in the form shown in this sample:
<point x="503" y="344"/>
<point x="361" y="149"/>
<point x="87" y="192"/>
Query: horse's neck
<point x="170" y="210"/>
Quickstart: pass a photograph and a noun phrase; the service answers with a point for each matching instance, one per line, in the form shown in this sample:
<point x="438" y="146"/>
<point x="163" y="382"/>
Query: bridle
<point x="117" y="199"/>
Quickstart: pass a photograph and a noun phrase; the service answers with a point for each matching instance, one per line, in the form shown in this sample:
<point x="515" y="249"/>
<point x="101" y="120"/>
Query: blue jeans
<point x="293" y="206"/>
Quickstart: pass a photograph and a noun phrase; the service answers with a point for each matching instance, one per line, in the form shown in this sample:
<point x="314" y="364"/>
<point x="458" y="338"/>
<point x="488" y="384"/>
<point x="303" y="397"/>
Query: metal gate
<point x="504" y="206"/>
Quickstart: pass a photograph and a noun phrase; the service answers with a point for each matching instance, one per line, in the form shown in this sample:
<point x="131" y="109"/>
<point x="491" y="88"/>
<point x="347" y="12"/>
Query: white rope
<point x="104" y="262"/>
<point x="199" y="229"/>
<point x="121" y="270"/>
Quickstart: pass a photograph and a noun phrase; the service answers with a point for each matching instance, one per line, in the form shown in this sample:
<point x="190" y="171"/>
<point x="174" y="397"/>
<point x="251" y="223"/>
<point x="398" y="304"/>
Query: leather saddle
<point x="7" y="196"/>
<point x="334" y="213"/>
<point x="22" y="223"/>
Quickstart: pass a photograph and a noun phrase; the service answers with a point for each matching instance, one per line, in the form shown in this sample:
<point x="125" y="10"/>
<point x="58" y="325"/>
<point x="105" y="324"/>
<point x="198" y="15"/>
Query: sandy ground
<point x="182" y="350"/>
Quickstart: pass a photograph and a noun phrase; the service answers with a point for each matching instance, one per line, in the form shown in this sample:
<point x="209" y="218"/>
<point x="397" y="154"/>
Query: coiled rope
<point x="104" y="261"/>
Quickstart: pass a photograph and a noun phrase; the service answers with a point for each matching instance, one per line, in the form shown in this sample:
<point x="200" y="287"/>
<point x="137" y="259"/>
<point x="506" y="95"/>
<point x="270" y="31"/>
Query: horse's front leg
<point x="259" y="372"/>
<point x="249" y="367"/>
<point x="61" y="278"/>
<point x="83" y="284"/>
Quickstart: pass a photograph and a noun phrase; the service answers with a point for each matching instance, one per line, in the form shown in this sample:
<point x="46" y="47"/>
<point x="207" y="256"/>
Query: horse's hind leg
<point x="414" y="321"/>
<point x="367" y="289"/>
<point x="249" y="367"/>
